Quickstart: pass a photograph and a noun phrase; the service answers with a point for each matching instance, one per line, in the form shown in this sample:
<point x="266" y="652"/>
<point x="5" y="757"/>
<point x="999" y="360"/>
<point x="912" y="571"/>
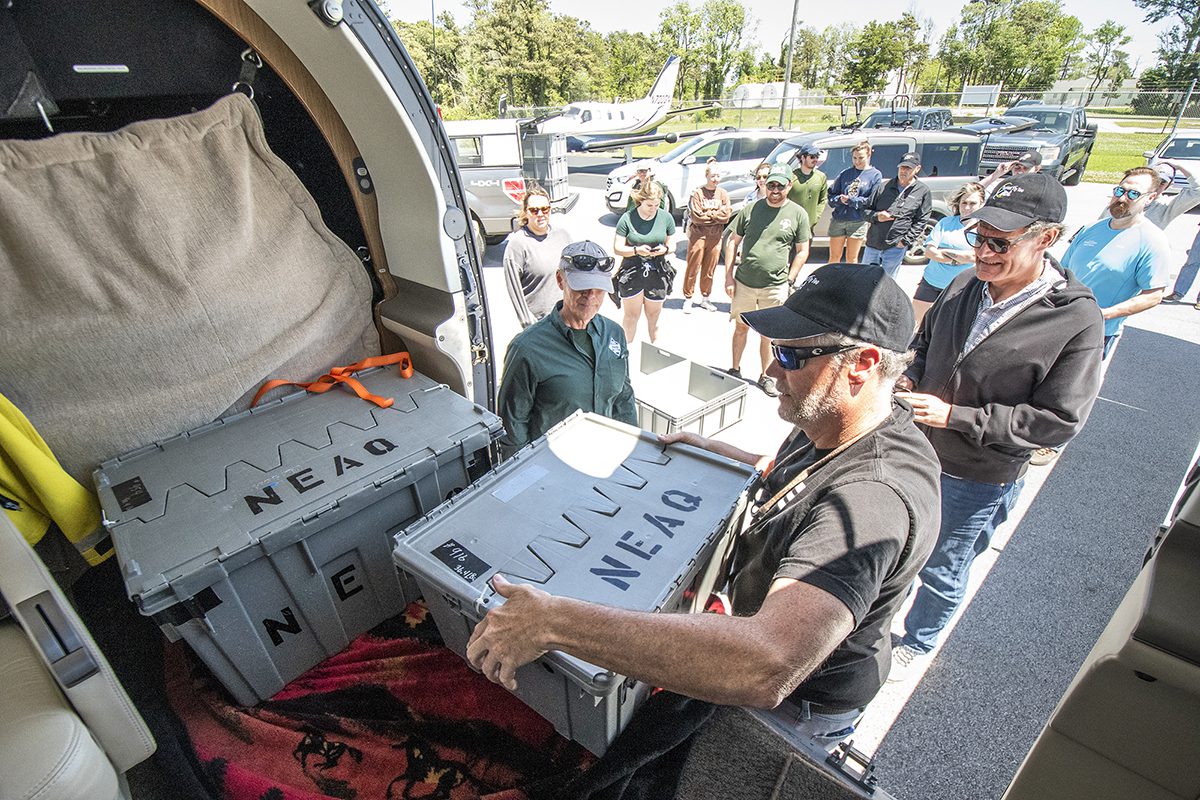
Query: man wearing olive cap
<point x="573" y="358"/>
<point x="845" y="517"/>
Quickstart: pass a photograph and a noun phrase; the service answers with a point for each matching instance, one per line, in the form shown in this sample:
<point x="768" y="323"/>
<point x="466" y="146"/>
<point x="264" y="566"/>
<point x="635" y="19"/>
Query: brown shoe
<point x="1043" y="456"/>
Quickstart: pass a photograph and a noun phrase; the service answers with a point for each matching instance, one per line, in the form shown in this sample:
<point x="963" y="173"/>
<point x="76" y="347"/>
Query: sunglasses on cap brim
<point x="585" y="263"/>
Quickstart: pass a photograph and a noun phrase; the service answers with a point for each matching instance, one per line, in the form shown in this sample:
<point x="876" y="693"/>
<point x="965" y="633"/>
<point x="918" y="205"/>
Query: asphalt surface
<point x="1056" y="572"/>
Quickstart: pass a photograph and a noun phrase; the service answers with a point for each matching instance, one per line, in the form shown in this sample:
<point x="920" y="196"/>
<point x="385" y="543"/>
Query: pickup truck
<point x="1062" y="134"/>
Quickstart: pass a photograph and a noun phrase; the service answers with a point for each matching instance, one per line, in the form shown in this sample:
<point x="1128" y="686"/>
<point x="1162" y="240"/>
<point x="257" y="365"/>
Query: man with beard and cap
<point x="845" y="516"/>
<point x="1165" y="209"/>
<point x="573" y="358"/>
<point x="1030" y="161"/>
<point x="1007" y="361"/>
<point x="1125" y="260"/>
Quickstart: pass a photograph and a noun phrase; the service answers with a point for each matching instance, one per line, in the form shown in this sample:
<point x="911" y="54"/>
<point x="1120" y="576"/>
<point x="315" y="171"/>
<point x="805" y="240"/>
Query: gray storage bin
<point x="674" y="394"/>
<point x="596" y="510"/>
<point x="264" y="539"/>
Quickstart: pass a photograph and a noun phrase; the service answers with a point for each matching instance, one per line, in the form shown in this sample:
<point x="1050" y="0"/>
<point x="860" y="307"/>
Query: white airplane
<point x="589" y="122"/>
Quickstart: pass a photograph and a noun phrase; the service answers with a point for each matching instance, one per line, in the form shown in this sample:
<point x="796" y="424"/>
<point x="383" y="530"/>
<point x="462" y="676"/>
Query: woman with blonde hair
<point x="710" y="210"/>
<point x="847" y="196"/>
<point x="947" y="248"/>
<point x="531" y="256"/>
<point x="643" y="240"/>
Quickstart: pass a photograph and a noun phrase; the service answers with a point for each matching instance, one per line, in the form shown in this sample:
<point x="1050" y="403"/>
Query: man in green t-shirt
<point x="810" y="187"/>
<point x="774" y="234"/>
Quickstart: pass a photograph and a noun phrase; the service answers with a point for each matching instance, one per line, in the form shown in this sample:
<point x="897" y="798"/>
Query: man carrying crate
<point x="846" y="515"/>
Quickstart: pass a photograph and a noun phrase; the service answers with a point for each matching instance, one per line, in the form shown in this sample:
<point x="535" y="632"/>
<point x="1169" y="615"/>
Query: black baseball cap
<point x="1030" y="159"/>
<point x="859" y="301"/>
<point x="809" y="149"/>
<point x="1023" y="200"/>
<point x="911" y="159"/>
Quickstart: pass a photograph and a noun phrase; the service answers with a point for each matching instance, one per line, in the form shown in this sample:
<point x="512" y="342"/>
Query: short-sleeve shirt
<point x="769" y="239"/>
<point x="950" y="234"/>
<point x="639" y="231"/>
<point x="1119" y="264"/>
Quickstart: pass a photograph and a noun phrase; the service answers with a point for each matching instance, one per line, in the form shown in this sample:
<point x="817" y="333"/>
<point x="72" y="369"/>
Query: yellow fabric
<point x="31" y="476"/>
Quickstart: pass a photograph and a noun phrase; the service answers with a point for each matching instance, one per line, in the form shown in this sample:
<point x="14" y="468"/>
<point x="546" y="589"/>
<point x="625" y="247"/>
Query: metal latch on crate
<point x="855" y="765"/>
<point x="316" y="512"/>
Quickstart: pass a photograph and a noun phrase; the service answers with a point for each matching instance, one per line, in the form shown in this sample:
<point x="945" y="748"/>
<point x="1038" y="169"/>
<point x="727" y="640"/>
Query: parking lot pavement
<point x="1056" y="570"/>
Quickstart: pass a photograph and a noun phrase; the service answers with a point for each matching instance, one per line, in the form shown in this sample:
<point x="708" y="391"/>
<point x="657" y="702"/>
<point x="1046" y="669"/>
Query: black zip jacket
<point x="1029" y="384"/>
<point x="911" y="212"/>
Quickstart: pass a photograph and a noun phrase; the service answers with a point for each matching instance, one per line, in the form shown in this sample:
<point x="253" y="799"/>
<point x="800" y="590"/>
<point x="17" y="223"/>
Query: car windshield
<point x="886" y="118"/>
<point x="679" y="151"/>
<point x="1182" y="148"/>
<point x="782" y="153"/>
<point x="1057" y="121"/>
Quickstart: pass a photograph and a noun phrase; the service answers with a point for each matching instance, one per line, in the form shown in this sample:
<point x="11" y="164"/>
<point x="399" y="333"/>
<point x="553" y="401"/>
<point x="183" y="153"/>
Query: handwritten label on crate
<point x="465" y="564"/>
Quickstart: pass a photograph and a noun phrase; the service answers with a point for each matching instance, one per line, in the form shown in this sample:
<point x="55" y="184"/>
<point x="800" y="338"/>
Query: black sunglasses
<point x="793" y="358"/>
<point x="538" y="209"/>
<point x="585" y="263"/>
<point x="996" y="244"/>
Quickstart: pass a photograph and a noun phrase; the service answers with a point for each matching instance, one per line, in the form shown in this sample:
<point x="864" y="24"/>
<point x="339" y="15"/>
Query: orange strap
<point x="345" y="376"/>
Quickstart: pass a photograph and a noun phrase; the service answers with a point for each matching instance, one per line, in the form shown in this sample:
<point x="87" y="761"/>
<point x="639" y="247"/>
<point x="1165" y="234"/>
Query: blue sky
<point x="773" y="16"/>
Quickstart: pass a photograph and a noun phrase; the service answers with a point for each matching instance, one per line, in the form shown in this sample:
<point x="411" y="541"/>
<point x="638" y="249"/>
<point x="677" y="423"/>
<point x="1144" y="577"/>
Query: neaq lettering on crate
<point x="345" y="584"/>
<point x="616" y="571"/>
<point x="304" y="480"/>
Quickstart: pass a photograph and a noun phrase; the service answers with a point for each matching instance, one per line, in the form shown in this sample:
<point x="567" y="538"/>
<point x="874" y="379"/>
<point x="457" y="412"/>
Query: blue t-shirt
<point x="1117" y="265"/>
<point x="857" y="184"/>
<point x="948" y="234"/>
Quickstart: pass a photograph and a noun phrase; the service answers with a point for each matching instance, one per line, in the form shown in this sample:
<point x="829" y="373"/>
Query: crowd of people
<point x="906" y="453"/>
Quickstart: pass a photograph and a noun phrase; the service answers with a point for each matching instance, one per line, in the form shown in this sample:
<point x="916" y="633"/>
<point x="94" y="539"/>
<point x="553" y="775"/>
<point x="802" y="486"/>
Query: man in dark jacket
<point x="898" y="211"/>
<point x="1008" y="360"/>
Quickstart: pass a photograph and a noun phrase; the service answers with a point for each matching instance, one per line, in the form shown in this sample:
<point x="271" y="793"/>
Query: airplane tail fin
<point x="664" y="85"/>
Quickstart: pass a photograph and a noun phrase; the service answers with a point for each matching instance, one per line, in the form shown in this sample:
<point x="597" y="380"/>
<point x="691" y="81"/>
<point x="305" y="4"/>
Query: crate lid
<point x="204" y="495"/>
<point x="595" y="510"/>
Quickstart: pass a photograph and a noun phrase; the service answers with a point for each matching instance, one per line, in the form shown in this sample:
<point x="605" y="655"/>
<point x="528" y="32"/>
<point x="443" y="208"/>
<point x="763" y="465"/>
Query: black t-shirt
<point x="861" y="530"/>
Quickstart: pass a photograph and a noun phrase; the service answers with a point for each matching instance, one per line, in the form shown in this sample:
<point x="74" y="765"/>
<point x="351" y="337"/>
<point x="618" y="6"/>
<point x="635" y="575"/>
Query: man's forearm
<point x="1134" y="305"/>
<point x="798" y="262"/>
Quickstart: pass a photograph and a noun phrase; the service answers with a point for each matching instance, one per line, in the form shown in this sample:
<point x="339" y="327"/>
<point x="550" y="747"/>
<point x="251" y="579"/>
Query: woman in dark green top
<point x="643" y="241"/>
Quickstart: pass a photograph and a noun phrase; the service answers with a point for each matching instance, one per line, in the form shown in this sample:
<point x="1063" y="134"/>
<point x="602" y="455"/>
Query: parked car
<point x="681" y="169"/>
<point x="1062" y="134"/>
<point x="1181" y="146"/>
<point x="948" y="160"/>
<point x="929" y="119"/>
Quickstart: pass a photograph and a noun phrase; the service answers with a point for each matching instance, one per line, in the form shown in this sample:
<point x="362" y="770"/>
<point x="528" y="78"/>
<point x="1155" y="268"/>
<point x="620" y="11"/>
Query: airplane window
<point x="622" y="115"/>
<point x="610" y="115"/>
<point x="587" y="116"/>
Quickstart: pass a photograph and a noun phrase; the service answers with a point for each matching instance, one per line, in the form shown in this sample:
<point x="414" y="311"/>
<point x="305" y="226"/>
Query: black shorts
<point x="649" y="276"/>
<point x="927" y="292"/>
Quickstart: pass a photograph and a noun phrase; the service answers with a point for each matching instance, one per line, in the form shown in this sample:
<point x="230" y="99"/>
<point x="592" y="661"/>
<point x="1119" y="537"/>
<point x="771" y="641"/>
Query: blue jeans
<point x="823" y="730"/>
<point x="971" y="512"/>
<point x="1187" y="273"/>
<point x="890" y="259"/>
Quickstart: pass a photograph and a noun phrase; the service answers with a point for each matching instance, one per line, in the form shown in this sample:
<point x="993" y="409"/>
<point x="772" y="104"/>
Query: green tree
<point x="441" y="67"/>
<point x="1106" y="62"/>
<point x="721" y="25"/>
<point x="874" y="53"/>
<point x="1179" y="47"/>
<point x="632" y="62"/>
<point x="836" y="41"/>
<point x="679" y="34"/>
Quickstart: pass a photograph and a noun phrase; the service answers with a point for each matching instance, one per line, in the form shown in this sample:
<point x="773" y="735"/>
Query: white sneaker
<point x="687" y="305"/>
<point x="707" y="304"/>
<point x="906" y="662"/>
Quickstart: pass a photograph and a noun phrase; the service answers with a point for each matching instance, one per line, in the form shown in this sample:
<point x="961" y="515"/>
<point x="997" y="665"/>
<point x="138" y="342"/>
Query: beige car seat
<point x="67" y="728"/>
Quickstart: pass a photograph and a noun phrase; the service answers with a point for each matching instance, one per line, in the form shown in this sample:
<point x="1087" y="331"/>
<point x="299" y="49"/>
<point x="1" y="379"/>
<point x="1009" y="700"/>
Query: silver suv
<point x="948" y="160"/>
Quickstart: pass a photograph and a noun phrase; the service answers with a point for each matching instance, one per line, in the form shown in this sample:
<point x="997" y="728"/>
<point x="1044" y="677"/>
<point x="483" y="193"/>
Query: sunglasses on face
<point x="539" y="209"/>
<point x="1132" y="194"/>
<point x="996" y="244"/>
<point x="776" y="186"/>
<point x="586" y="263"/>
<point x="760" y="177"/>
<point x="793" y="358"/>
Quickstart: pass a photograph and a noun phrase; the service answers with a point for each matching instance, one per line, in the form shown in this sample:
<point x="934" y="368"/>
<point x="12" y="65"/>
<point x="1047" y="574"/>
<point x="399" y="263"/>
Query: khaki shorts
<point x="848" y="228"/>
<point x="747" y="298"/>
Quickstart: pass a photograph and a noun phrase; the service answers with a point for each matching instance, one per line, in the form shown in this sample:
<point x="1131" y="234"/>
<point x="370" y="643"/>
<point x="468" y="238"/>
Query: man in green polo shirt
<point x="571" y="359"/>
<point x="774" y="235"/>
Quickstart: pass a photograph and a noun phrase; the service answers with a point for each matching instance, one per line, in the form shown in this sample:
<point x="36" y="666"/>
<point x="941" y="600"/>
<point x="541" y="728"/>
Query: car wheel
<point x="1077" y="175"/>
<point x="916" y="253"/>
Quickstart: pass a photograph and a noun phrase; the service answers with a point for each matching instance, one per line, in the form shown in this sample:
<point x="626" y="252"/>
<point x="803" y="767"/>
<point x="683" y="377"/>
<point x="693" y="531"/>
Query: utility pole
<point x="1186" y="100"/>
<point x="787" y="72"/>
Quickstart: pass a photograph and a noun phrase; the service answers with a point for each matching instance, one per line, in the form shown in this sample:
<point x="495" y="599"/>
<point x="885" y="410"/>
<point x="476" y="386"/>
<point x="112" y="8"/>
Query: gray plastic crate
<point x="674" y="394"/>
<point x="595" y="510"/>
<point x="264" y="539"/>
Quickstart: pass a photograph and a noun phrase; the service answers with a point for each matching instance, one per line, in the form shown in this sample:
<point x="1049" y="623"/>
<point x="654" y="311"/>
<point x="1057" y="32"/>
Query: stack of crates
<point x="596" y="510"/>
<point x="544" y="159"/>
<point x="264" y="539"/>
<point x="674" y="394"/>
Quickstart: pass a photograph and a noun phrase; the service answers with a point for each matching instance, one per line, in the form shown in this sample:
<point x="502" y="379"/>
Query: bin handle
<point x="345" y="375"/>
